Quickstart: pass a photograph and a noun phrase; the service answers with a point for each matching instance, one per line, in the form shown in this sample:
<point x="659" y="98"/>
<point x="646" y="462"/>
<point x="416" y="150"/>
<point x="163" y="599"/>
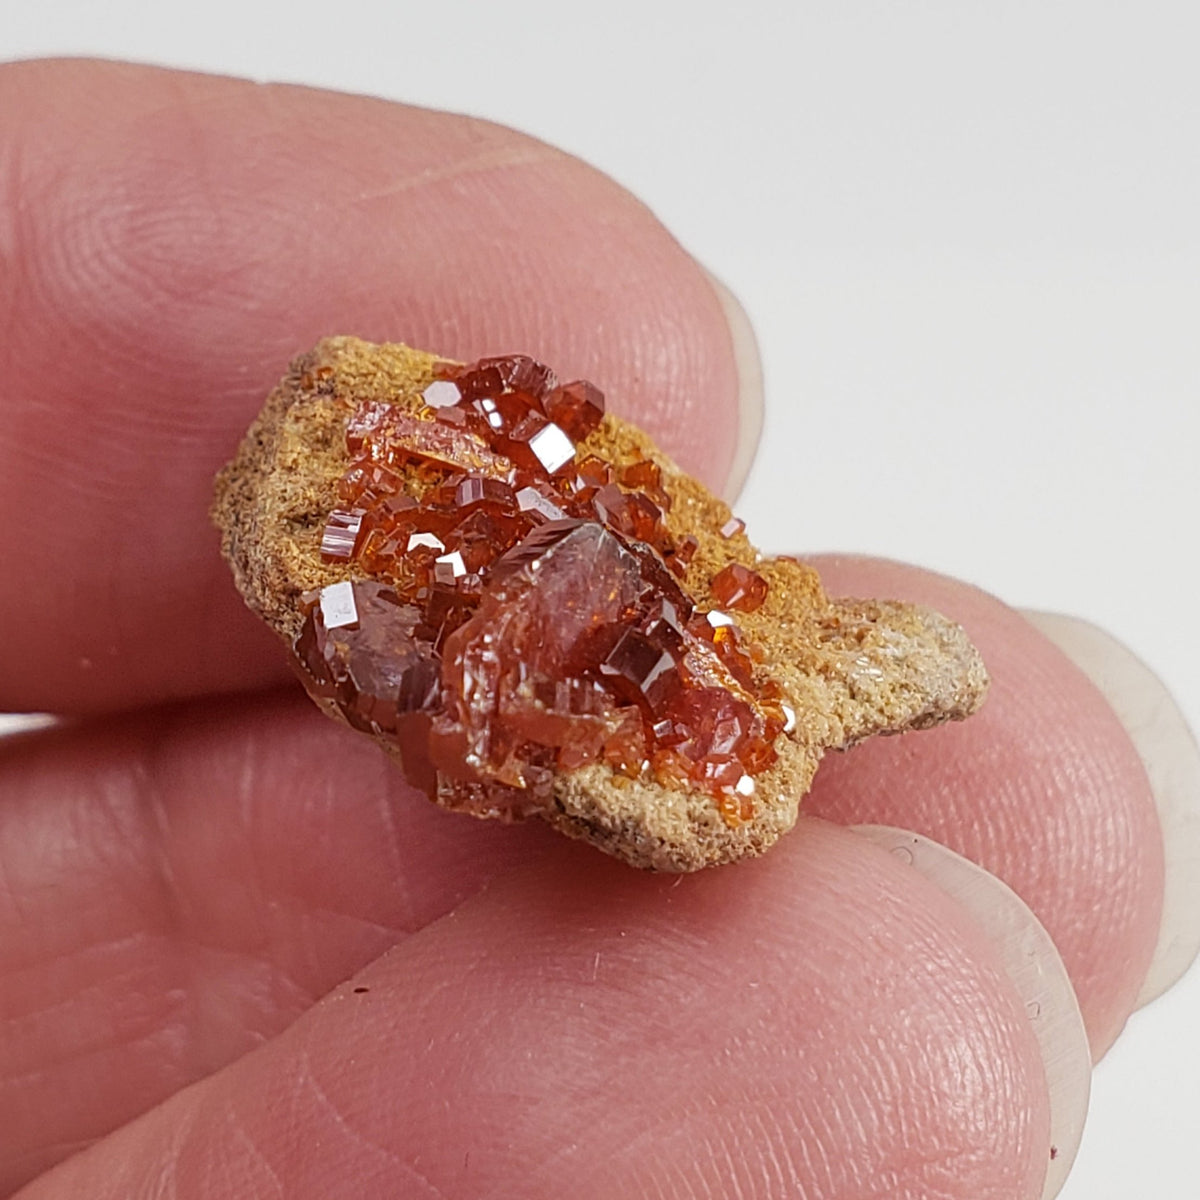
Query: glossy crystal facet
<point x="522" y="612"/>
<point x="739" y="588"/>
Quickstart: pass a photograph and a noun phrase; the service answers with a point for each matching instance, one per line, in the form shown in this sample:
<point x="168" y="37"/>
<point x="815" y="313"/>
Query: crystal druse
<point x="517" y="606"/>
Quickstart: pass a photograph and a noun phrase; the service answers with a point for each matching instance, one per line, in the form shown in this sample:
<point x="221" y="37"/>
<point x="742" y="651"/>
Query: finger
<point x="1043" y="788"/>
<point x="170" y="241"/>
<point x="1168" y="750"/>
<point x="176" y="890"/>
<point x="271" y="821"/>
<point x="1037" y="972"/>
<point x="820" y="1022"/>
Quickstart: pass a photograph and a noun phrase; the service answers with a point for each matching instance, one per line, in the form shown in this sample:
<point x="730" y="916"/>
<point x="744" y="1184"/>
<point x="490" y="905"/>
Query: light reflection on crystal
<point x="340" y="537"/>
<point x="523" y="615"/>
<point x="337" y="605"/>
<point x="441" y="394"/>
<point x="449" y="567"/>
<point x="553" y="448"/>
<point x="530" y="499"/>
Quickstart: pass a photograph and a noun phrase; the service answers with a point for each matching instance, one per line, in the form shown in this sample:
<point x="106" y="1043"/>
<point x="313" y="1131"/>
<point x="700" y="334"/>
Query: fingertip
<point x="1037" y="973"/>
<point x="180" y="237"/>
<point x="821" y="1021"/>
<point x="1042" y="787"/>
<point x="750" y="392"/>
<point x="1167" y="747"/>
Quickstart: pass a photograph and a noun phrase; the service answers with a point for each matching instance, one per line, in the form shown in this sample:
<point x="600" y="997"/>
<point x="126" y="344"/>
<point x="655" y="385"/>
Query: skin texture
<point x="1043" y="774"/>
<point x="169" y="242"/>
<point x="493" y="1048"/>
<point x="197" y="858"/>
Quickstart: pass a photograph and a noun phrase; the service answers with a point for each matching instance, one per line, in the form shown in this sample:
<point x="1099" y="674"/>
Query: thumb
<point x="821" y="1022"/>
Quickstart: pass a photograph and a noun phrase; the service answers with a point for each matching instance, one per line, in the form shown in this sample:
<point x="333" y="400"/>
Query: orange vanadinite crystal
<point x="739" y="588"/>
<point x="521" y="613"/>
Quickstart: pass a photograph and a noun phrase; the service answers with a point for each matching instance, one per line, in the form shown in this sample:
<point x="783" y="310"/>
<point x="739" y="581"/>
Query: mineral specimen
<point x="539" y="615"/>
<point x="538" y="585"/>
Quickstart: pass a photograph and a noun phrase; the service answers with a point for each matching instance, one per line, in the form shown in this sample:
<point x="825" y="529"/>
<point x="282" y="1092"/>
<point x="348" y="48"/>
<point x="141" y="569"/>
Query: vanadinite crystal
<point x="517" y="609"/>
<point x="739" y="588"/>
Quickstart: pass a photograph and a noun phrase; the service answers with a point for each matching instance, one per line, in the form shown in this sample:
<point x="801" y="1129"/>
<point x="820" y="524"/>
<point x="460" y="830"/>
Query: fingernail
<point x="750" y="388"/>
<point x="1168" y="750"/>
<point x="1037" y="973"/>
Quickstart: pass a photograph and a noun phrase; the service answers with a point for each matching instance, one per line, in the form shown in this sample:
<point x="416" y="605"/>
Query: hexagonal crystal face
<point x="553" y="448"/>
<point x="338" y="608"/>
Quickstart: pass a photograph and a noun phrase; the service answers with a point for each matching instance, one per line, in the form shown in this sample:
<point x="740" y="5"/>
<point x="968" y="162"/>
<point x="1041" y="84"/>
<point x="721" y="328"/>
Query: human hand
<point x="199" y="859"/>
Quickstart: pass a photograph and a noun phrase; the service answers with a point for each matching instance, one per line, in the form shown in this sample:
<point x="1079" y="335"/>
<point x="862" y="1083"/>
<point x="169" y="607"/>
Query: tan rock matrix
<point x="531" y="607"/>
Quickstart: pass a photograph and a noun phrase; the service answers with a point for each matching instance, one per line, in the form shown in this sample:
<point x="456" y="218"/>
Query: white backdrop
<point x="968" y="237"/>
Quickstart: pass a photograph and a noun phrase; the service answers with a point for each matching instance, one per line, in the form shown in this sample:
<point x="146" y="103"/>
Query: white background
<point x="968" y="235"/>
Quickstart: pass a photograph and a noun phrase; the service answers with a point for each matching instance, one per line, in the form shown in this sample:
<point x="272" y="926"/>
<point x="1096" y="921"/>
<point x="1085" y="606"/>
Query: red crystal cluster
<point x="522" y="612"/>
